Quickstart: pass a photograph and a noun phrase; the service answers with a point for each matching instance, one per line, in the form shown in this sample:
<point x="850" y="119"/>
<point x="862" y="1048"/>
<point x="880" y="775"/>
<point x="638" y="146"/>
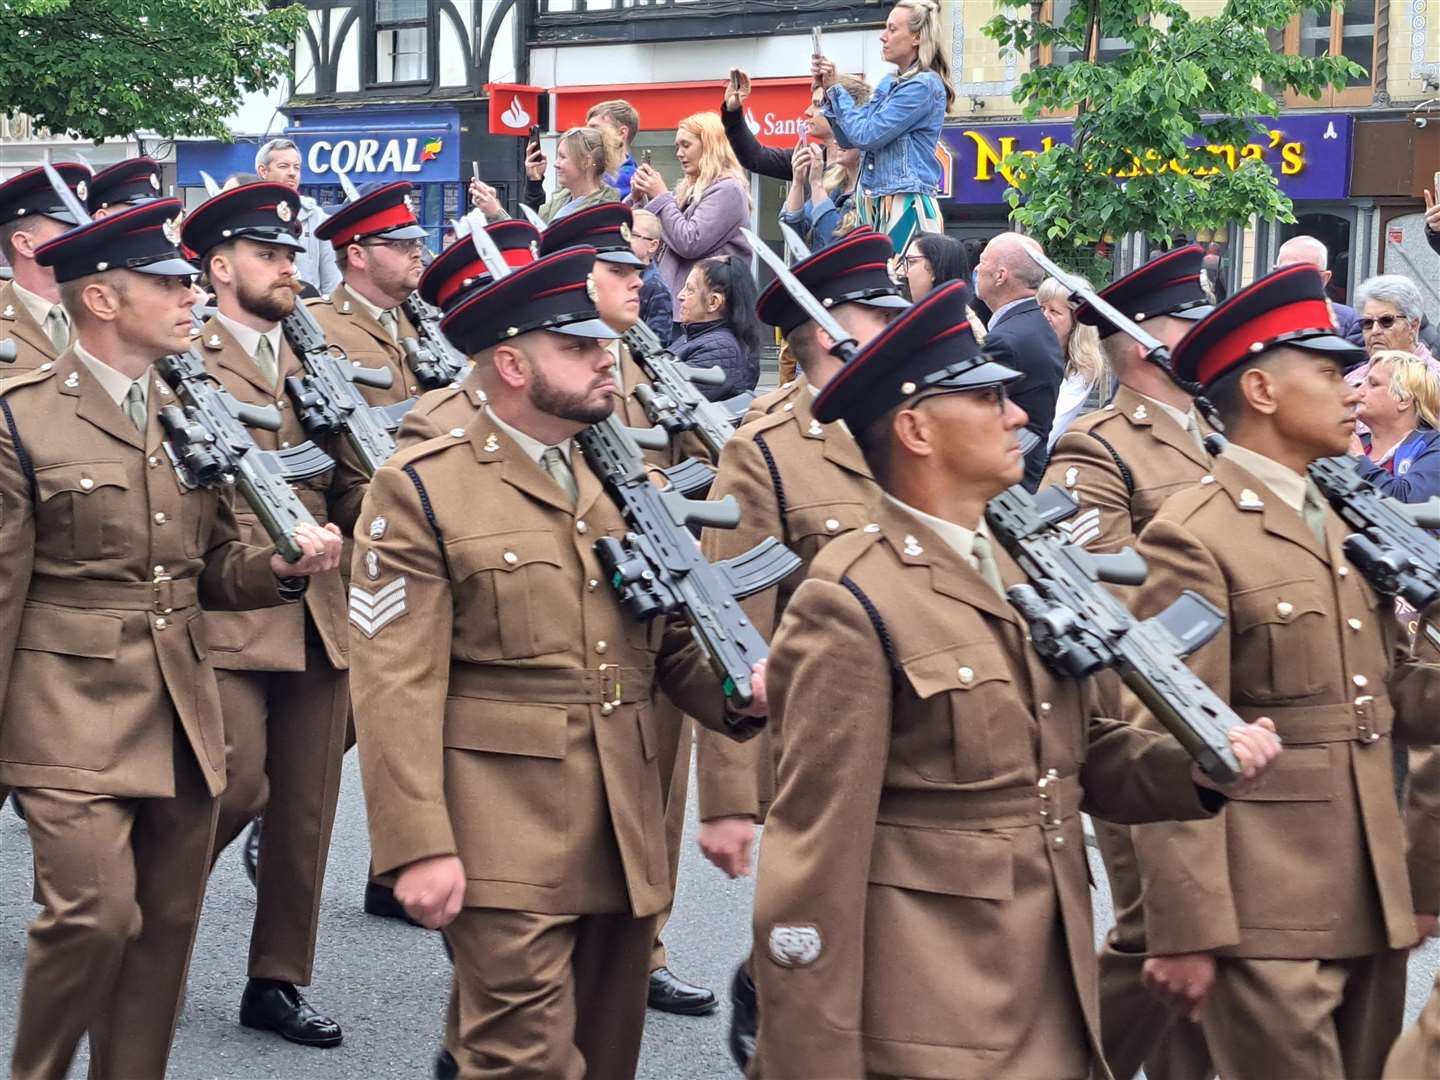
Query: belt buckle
<point x="607" y="707"/>
<point x="161" y="595"/>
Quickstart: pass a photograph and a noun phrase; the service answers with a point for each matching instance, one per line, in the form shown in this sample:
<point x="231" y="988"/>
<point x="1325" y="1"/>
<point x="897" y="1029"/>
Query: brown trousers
<point x="1135" y="1027"/>
<point x="120" y="883"/>
<point x="677" y="733"/>
<point x="284" y="744"/>
<point x="1320" y="1019"/>
<point x="1416" y="1054"/>
<point x="549" y="997"/>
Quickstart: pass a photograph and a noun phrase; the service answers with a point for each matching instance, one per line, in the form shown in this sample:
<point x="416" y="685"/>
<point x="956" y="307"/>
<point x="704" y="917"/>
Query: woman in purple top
<point x="702" y="218"/>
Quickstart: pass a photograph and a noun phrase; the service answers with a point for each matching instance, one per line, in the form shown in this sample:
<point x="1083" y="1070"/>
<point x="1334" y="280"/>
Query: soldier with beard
<point x="283" y="689"/>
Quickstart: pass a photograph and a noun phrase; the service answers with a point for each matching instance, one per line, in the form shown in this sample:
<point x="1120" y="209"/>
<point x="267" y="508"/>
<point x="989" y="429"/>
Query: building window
<point x="1348" y="31"/>
<point x="402" y="41"/>
<point x="1110" y="48"/>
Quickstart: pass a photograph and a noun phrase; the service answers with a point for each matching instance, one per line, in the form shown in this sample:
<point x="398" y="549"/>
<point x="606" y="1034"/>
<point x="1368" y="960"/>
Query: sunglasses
<point x="408" y="247"/>
<point x="1385" y="322"/>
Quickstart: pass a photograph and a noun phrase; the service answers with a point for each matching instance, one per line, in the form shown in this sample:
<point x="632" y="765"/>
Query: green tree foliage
<point x="1130" y="165"/>
<point x="98" y="68"/>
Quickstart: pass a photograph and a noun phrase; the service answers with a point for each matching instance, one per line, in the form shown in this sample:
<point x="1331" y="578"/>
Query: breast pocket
<point x="512" y="595"/>
<point x="1277" y="628"/>
<point x="82" y="512"/>
<point x="810" y="528"/>
<point x="969" y="725"/>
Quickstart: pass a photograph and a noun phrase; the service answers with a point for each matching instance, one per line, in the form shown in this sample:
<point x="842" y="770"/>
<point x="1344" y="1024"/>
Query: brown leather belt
<point x="607" y="684"/>
<point x="1049" y="802"/>
<point x="1364" y="720"/>
<point x="161" y="596"/>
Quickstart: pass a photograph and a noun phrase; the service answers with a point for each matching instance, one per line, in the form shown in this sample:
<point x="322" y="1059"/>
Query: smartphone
<point x="475" y="171"/>
<point x="735" y="79"/>
<point x="645" y="157"/>
<point x="816" y="48"/>
<point x="533" y="142"/>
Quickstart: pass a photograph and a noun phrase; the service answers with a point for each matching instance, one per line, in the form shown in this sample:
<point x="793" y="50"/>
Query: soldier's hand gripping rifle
<point x="431" y="357"/>
<point x="657" y="568"/>
<point x="1389" y="545"/>
<point x="1079" y="627"/>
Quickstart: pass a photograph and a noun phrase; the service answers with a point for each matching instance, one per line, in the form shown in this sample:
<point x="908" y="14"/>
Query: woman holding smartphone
<point x="897" y="130"/>
<point x="584" y="156"/>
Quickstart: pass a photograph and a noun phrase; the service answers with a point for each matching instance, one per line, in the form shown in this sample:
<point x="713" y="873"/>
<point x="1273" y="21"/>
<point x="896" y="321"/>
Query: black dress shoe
<point x="744" y="1017"/>
<point x="446" y="1067"/>
<point x="668" y="993"/>
<point x="268" y="1005"/>
<point x="380" y="900"/>
<point x="250" y="849"/>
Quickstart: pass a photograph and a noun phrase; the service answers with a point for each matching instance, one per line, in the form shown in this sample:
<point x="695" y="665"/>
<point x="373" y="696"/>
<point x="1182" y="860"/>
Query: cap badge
<point x="815" y="428"/>
<point x="171" y="229"/>
<point x="625" y="232"/>
<point x="283" y="211"/>
<point x="377" y="528"/>
<point x="912" y="546"/>
<point x="82" y="189"/>
<point x="1140" y="413"/>
<point x="154" y="181"/>
<point x="590" y="289"/>
<point x="72" y="380"/>
<point x="372" y="565"/>
<point x="1071" y="475"/>
<point x="1250" y="501"/>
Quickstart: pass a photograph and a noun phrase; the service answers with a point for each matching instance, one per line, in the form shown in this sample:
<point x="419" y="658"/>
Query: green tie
<point x="1193" y="428"/>
<point x="387" y="320"/>
<point x="265" y="361"/>
<point x="135" y="406"/>
<point x="555" y="464"/>
<point x="984" y="553"/>
<point x="1313" y="511"/>
<point x="57" y="328"/>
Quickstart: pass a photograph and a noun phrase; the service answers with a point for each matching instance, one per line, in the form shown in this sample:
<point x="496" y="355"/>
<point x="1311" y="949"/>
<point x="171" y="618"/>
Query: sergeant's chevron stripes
<point x="1082" y="528"/>
<point x="372" y="612"/>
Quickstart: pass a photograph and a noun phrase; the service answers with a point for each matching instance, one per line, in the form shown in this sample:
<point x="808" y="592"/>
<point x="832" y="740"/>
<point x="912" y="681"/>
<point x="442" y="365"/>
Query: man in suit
<point x="1284" y="928"/>
<point x="1006" y="280"/>
<point x="923" y="904"/>
<point x="377" y="244"/>
<point x="112" y="737"/>
<point x="283" y="690"/>
<point x="31" y="314"/>
<point x="1308" y="251"/>
<point x="509" y="750"/>
<point x="279" y="162"/>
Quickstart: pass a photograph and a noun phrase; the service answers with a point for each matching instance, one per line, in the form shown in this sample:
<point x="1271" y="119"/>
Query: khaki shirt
<point x="33" y="346"/>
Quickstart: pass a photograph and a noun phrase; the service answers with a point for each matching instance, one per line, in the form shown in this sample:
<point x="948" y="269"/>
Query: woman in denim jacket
<point x="898" y="129"/>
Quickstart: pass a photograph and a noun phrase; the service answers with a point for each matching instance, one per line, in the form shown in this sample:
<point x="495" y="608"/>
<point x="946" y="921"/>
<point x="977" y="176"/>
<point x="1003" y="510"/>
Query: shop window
<point x="1104" y="49"/>
<point x="1348" y="31"/>
<point x="402" y="41"/>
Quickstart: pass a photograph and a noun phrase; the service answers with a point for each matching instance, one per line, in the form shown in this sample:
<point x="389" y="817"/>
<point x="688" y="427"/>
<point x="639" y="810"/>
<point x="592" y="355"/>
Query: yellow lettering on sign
<point x="1292" y="159"/>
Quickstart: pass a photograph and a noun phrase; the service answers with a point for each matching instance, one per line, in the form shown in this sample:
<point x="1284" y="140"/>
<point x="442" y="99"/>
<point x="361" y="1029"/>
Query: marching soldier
<point x="126" y="183"/>
<point x="1120" y="463"/>
<point x="508" y="745"/>
<point x="377" y="245"/>
<point x="112" y="735"/>
<point x="31" y="313"/>
<point x="281" y="672"/>
<point x="922" y="908"/>
<point x="1284" y="926"/>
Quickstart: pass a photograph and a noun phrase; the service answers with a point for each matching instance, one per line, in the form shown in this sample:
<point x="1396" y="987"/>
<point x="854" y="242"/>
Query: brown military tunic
<point x="923" y="904"/>
<point x="112" y="728"/>
<point x="1120" y="463"/>
<point x="804" y="483"/>
<point x="529" y="745"/>
<point x="33" y="346"/>
<point x="347" y="323"/>
<point x="1301" y="889"/>
<point x="283" y="691"/>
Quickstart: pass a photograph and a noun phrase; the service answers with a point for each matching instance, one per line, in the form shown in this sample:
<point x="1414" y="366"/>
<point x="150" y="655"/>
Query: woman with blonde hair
<point x="898" y="129"/>
<point x="702" y="218"/>
<point x="1080" y="345"/>
<point x="584" y="156"/>
<point x="1400" y="401"/>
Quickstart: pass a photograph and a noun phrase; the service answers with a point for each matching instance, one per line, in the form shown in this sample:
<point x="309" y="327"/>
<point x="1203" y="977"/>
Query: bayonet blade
<point x="66" y="196"/>
<point x="845" y="345"/>
<point x="490" y="254"/>
<point x="531" y="216"/>
<point x="211" y="187"/>
<point x="352" y="193"/>
<point x="798" y="248"/>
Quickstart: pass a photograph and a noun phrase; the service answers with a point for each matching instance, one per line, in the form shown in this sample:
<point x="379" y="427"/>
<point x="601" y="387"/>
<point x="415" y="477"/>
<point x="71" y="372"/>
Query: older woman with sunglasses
<point x="1391" y="312"/>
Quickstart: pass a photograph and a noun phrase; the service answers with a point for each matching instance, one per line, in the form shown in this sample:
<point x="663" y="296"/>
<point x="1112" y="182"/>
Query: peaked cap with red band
<point x="552" y="293"/>
<point x="605" y="227"/>
<point x="29" y="193"/>
<point x="126" y="183"/>
<point x="1168" y="285"/>
<point x="266" y="213"/>
<point x="458" y="270"/>
<point x="929" y="347"/>
<point x="384" y="213"/>
<point x="1285" y="307"/>
<point x="853" y="270"/>
<point x="144" y="238"/>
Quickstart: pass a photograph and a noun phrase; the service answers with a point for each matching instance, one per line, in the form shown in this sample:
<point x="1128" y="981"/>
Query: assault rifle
<point x="1079" y="627"/>
<point x="327" y="399"/>
<point x="209" y="445"/>
<point x="1389" y="545"/>
<point x="431" y="357"/>
<point x="672" y="400"/>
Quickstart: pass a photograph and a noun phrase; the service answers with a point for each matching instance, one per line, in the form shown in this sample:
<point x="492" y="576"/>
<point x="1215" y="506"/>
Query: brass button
<point x="607" y="708"/>
<point x="1059" y="841"/>
<point x="511" y="558"/>
<point x="1354" y="624"/>
<point x="159" y="571"/>
<point x="160" y="518"/>
<point x="285" y="445"/>
<point x="966" y="675"/>
<point x="161" y="623"/>
<point x="1045" y="707"/>
<point x="1052" y="774"/>
<point x="831" y="524"/>
<point x="457" y="432"/>
<point x="152" y="461"/>
<point x="1360" y="681"/>
<point x="86" y="483"/>
<point x="592" y="585"/>
<point x="1284" y="609"/>
<point x="600" y="647"/>
<point x="281" y="404"/>
<point x="1344" y="571"/>
<point x="581" y="528"/>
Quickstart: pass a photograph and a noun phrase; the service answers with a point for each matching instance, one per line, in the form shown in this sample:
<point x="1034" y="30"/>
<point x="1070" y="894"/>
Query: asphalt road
<point x="386" y="983"/>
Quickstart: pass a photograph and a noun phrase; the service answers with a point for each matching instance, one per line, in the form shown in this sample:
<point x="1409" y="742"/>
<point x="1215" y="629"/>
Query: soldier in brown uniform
<point x="509" y="749"/>
<point x="112" y="734"/>
<point x="377" y="245"/>
<point x="31" y="314"/>
<point x="283" y="690"/>
<point x="1285" y="926"/>
<point x="923" y="903"/>
<point x="1120" y="463"/>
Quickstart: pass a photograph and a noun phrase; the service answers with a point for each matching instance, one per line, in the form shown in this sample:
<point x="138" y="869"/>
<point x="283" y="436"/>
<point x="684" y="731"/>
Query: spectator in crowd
<point x="1210" y="267"/>
<point x="766" y="160"/>
<point x="1080" y="345"/>
<point x="717" y="311"/>
<point x="1311" y="252"/>
<point x="898" y="129"/>
<point x="1391" y="311"/>
<point x="1400" y="403"/>
<point x="583" y="156"/>
<point x="930" y="261"/>
<point x="974" y="245"/>
<point x="821" y="203"/>
<point x="657" y="310"/>
<point x="622" y="121"/>
<point x="702" y="218"/>
<point x="1006" y="280"/>
<point x="279" y="161"/>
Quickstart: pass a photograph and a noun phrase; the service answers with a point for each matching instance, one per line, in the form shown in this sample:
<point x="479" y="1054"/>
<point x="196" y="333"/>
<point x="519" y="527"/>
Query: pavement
<point x="386" y="983"/>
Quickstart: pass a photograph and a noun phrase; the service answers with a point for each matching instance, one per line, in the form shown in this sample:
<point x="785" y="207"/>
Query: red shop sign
<point x="772" y="110"/>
